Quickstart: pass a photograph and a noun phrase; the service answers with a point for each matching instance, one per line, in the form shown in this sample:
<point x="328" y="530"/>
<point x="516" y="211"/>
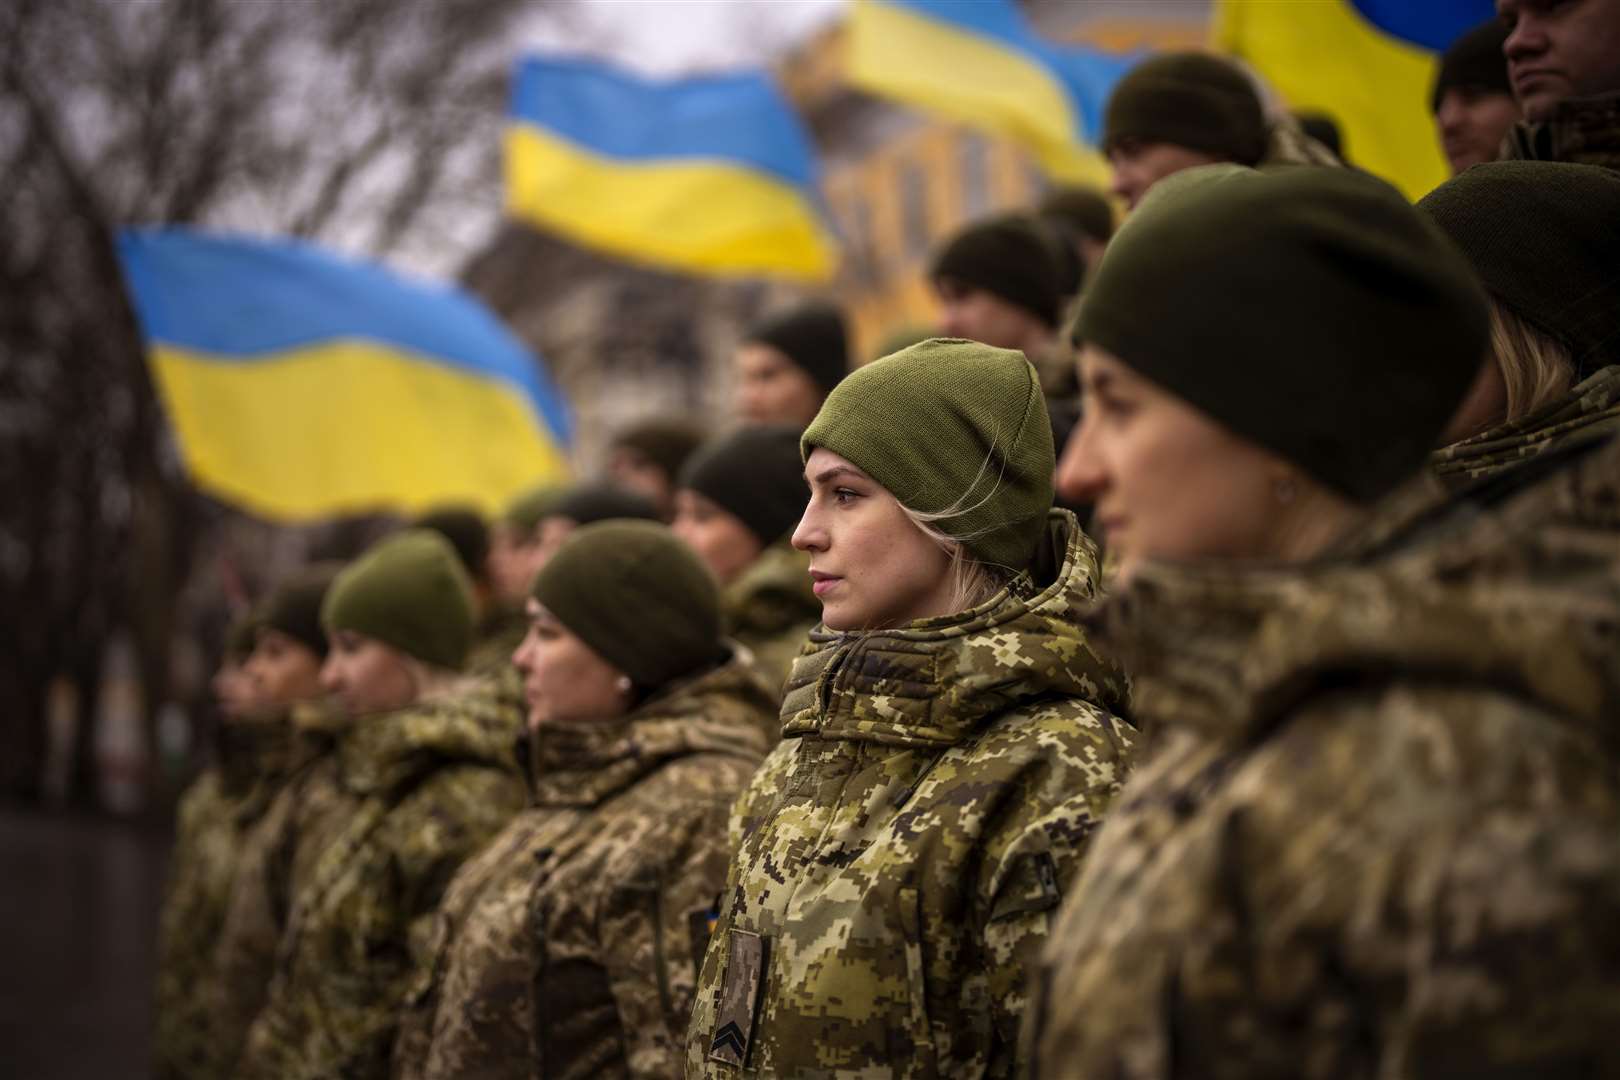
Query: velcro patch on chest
<point x="746" y="957"/>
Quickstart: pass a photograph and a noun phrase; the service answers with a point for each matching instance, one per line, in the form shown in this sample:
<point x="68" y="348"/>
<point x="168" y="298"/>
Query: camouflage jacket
<point x="222" y="806"/>
<point x="569" y="947"/>
<point x="1589" y="409"/>
<point x="771" y="610"/>
<point x="1583" y="131"/>
<point x="419" y="791"/>
<point x="902" y="851"/>
<point x="1374" y="834"/>
<point x="242" y="964"/>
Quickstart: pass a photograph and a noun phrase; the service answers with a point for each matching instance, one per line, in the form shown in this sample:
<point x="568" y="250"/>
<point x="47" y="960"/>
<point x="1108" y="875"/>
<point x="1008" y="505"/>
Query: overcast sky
<point x="674" y="37"/>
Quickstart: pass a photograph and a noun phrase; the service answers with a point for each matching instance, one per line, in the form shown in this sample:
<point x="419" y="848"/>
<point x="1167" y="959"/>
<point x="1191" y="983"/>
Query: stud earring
<point x="623" y="685"/>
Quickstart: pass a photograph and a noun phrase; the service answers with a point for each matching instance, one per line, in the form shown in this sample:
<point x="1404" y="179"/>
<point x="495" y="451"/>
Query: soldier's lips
<point x="823" y="583"/>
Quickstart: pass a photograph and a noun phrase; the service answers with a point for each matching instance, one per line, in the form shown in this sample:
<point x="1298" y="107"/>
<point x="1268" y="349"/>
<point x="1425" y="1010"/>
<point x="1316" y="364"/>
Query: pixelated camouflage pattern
<point x="902" y="851"/>
<point x="1582" y="131"/>
<point x="1589" y="409"/>
<point x="218" y="810"/>
<point x="770" y="609"/>
<point x="1374" y="831"/>
<point x="419" y="791"/>
<point x="567" y="949"/>
<point x="496" y="639"/>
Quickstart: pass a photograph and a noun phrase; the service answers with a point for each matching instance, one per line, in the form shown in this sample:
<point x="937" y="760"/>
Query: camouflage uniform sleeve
<point x="654" y="928"/>
<point x="179" y="1033"/>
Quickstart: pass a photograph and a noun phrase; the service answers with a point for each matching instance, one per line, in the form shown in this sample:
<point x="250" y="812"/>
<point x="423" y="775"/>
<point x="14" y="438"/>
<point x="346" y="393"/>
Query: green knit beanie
<point x="638" y="597"/>
<point x="1012" y="256"/>
<point x="755" y="475"/>
<point x="528" y="510"/>
<point x="945" y="425"/>
<point x="1475" y="61"/>
<point x="409" y="591"/>
<point x="294" y="606"/>
<point x="1189" y="99"/>
<point x="665" y="442"/>
<point x="813" y="335"/>
<point x="241" y="635"/>
<point x="1544" y="236"/>
<point x="1341" y="332"/>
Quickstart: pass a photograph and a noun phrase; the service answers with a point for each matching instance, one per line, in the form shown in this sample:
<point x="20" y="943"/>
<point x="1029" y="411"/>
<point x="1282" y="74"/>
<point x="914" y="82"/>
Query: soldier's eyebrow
<point x="837" y="470"/>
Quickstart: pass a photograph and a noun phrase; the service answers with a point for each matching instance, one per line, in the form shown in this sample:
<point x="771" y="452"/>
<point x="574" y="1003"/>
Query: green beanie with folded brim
<point x="528" y="510"/>
<point x="241" y="636"/>
<point x="408" y="591"/>
<point x="1189" y="99"/>
<point x="1014" y="257"/>
<point x="954" y="427"/>
<point x="637" y="597"/>
<point x="1313" y="312"/>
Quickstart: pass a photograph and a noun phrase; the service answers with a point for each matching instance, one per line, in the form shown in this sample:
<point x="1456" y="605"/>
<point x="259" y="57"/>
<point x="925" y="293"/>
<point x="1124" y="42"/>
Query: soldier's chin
<point x="840" y="616"/>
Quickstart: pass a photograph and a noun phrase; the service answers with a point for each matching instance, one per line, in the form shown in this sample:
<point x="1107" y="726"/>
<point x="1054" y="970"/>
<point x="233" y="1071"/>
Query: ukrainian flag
<point x="302" y="385"/>
<point x="713" y="175"/>
<point x="982" y="64"/>
<point x="1368" y="63"/>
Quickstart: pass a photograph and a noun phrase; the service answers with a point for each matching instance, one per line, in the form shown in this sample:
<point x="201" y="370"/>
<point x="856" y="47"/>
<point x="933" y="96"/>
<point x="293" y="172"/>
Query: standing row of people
<point x="1317" y="778"/>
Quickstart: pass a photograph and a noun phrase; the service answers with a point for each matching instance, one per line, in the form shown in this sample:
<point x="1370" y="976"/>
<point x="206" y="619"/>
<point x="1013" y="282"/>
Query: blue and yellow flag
<point x="302" y="385"/>
<point x="982" y="64"/>
<point x="712" y="175"/>
<point x="1370" y="64"/>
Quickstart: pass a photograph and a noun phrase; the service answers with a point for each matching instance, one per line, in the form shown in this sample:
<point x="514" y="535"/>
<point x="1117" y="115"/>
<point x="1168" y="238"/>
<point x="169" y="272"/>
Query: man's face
<point x="1472" y="124"/>
<point x="1560" y="49"/>
<point x="1139" y="164"/>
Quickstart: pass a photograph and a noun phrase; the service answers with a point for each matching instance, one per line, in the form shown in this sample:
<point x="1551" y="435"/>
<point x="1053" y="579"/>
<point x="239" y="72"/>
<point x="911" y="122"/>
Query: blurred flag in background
<point x="1368" y="63"/>
<point x="983" y="65"/>
<point x="709" y="174"/>
<point x="301" y="385"/>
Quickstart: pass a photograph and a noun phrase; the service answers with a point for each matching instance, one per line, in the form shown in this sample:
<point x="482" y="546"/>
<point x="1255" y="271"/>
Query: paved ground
<point x="78" y="914"/>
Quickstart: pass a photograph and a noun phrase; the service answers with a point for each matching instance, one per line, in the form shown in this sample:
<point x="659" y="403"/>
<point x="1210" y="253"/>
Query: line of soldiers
<point x="873" y="763"/>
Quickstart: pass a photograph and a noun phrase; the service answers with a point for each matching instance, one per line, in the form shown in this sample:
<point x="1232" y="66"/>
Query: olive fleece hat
<point x="1011" y="256"/>
<point x="813" y="336"/>
<point x="756" y="476"/>
<point x="241" y="635"/>
<point x="1544" y="236"/>
<point x="1341" y="335"/>
<point x="294" y="606"/>
<point x="532" y="507"/>
<point x="946" y="425"/>
<point x="638" y="597"/>
<point x="1084" y="211"/>
<point x="467" y="532"/>
<point x="1475" y="61"/>
<point x="409" y="591"/>
<point x="664" y="441"/>
<point x="1189" y="99"/>
<point x="600" y="502"/>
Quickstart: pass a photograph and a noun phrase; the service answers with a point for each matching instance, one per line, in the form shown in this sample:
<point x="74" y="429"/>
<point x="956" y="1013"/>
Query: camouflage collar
<point x="253" y="749"/>
<point x="1512" y="584"/>
<point x="937" y="682"/>
<point x="386" y="751"/>
<point x="718" y="712"/>
<point x="1584" y="131"/>
<point x="1592" y="406"/>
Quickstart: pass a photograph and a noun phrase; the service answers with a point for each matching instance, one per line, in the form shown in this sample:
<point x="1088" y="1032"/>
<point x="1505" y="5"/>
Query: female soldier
<point x="948" y="741"/>
<point x="421" y="780"/>
<point x="1374" y="834"/>
<point x="1542" y="236"/>
<point x="568" y="948"/>
<point x="738" y="501"/>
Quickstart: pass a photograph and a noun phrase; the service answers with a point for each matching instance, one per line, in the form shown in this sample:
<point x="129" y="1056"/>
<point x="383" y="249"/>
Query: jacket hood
<point x="936" y="682"/>
<point x="1512" y="585"/>
<point x="1591" y="407"/>
<point x="474" y="724"/>
<point x="718" y="712"/>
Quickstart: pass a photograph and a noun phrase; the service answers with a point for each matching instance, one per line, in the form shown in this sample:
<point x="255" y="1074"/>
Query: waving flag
<point x="982" y="64"/>
<point x="711" y="175"/>
<point x="302" y="385"/>
<point x="1368" y="63"/>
